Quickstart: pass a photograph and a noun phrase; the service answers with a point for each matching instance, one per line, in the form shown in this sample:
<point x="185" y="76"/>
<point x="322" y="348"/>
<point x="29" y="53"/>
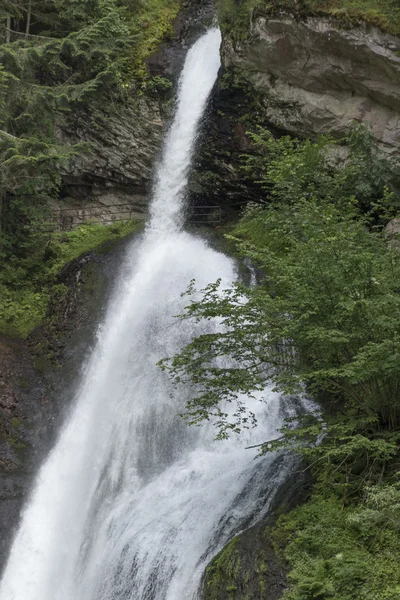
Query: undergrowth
<point x="344" y="552"/>
<point x="24" y="300"/>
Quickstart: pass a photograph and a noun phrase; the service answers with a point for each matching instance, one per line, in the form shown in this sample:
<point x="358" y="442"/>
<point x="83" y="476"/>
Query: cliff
<point x="315" y="77"/>
<point x="112" y="180"/>
<point x="293" y="69"/>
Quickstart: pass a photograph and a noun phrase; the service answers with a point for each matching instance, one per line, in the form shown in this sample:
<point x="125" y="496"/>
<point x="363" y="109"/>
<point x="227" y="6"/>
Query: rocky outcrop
<point x="217" y="177"/>
<point x="252" y="565"/>
<point x="297" y="74"/>
<point x="315" y="77"/>
<point x="111" y="180"/>
<point x="247" y="568"/>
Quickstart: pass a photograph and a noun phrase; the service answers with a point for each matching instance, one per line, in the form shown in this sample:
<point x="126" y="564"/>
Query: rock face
<point x="38" y="377"/>
<point x="112" y="180"/>
<point x="217" y="177"/>
<point x="252" y="566"/>
<point x="23" y="425"/>
<point x="315" y="77"/>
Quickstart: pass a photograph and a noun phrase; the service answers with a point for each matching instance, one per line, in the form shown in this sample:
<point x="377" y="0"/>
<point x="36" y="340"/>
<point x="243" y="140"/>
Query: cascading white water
<point x="132" y="503"/>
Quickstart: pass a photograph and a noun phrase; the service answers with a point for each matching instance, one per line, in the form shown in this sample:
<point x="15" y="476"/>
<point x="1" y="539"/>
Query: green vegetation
<point x="235" y="16"/>
<point x="326" y="315"/>
<point x="345" y="553"/>
<point x="324" y="319"/>
<point x="152" y="22"/>
<point x="57" y="58"/>
<point x="223" y="571"/>
<point x="25" y="294"/>
<point x="384" y="14"/>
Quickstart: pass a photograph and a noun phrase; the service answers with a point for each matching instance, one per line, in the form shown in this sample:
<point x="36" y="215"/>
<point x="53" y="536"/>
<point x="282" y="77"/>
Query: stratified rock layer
<point x="315" y="77"/>
<point x="112" y="180"/>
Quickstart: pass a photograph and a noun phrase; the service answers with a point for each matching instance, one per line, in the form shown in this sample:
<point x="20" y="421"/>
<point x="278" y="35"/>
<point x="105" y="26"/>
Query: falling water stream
<point x="131" y="503"/>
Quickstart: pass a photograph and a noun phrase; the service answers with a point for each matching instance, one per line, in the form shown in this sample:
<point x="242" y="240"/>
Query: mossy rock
<point x="235" y="18"/>
<point x="250" y="567"/>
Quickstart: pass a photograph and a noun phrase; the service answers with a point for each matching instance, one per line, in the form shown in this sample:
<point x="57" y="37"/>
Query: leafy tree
<point x="40" y="82"/>
<point x="323" y="318"/>
<point x="325" y="315"/>
<point x="290" y="169"/>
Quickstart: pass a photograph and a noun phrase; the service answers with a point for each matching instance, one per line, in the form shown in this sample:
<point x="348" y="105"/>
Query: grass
<point x="23" y="306"/>
<point x="83" y="239"/>
<point x="385" y="14"/>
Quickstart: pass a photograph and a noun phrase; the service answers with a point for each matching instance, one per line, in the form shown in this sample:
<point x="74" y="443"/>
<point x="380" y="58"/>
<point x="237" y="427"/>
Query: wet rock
<point x="23" y="428"/>
<point x="252" y="566"/>
<point x="217" y="178"/>
<point x="39" y="376"/>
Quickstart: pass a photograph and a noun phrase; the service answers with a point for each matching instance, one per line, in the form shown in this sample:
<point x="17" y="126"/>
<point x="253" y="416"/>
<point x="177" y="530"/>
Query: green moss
<point x="152" y="24"/>
<point x="23" y="306"/>
<point x="16" y="444"/>
<point x="228" y="576"/>
<point x="385" y="14"/>
<point x="223" y="571"/>
<point x="22" y="309"/>
<point x="43" y="362"/>
<point x="72" y="244"/>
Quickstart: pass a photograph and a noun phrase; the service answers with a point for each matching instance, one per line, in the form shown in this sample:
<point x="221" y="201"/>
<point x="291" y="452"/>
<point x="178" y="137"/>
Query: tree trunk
<point x="1" y="218"/>
<point x="8" y="30"/>
<point x="28" y="18"/>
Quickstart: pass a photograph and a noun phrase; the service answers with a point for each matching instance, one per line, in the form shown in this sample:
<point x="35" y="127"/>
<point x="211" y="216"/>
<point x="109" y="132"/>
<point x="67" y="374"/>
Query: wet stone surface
<point x="38" y="377"/>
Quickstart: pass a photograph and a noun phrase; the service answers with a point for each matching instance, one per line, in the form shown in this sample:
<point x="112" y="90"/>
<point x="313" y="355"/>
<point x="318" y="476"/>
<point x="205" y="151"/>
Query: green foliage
<point x="324" y="318"/>
<point x="26" y="286"/>
<point x="151" y="24"/>
<point x="384" y="14"/>
<point x="158" y="86"/>
<point x="77" y="55"/>
<point x="21" y="311"/>
<point x="40" y="81"/>
<point x="381" y="513"/>
<point x="223" y="572"/>
<point x="291" y="169"/>
<point x="345" y="553"/>
<point x="235" y="15"/>
<point x="67" y="246"/>
<point x="346" y="452"/>
<point x="326" y="315"/>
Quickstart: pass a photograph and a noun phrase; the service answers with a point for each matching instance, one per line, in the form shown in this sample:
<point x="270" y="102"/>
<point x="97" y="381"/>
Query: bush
<point x="339" y="552"/>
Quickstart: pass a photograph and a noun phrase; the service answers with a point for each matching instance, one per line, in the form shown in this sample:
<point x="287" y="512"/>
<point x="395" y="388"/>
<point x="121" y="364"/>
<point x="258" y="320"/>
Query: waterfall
<point x="132" y="503"/>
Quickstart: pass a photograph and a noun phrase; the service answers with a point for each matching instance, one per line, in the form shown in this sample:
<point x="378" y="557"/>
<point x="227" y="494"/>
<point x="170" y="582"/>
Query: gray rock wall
<point x="316" y="77"/>
<point x="112" y="180"/>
